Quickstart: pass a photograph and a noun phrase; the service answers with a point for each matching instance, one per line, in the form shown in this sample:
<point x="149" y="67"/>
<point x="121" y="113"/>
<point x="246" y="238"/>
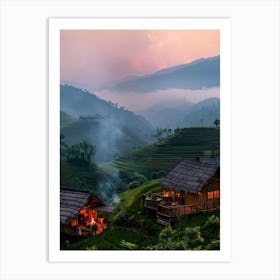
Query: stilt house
<point x="192" y="186"/>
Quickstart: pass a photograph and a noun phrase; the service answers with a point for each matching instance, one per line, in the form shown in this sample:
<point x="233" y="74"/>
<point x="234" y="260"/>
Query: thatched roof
<point x="72" y="201"/>
<point x="191" y="175"/>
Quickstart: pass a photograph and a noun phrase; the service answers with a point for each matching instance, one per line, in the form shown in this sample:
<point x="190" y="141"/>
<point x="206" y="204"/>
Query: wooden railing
<point x="151" y="203"/>
<point x="181" y="210"/>
<point x="207" y="205"/>
<point x="177" y="210"/>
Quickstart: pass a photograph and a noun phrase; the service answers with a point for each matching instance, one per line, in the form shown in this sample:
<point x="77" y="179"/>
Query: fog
<point x="139" y="101"/>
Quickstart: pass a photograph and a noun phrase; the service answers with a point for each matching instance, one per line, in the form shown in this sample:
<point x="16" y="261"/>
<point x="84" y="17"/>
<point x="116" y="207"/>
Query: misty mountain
<point x="113" y="129"/>
<point x="66" y="119"/>
<point x="203" y="113"/>
<point x="167" y="113"/>
<point x="199" y="74"/>
<point x="178" y="113"/>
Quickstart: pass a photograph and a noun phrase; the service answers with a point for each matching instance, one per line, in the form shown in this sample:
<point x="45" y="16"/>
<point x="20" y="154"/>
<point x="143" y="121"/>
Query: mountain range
<point x="180" y="113"/>
<point x="199" y="74"/>
<point x="112" y="129"/>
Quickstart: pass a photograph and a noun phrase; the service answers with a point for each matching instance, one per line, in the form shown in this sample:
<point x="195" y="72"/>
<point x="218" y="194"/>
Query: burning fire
<point x="88" y="222"/>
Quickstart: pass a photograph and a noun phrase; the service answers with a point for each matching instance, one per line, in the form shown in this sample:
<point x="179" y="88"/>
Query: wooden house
<point x="192" y="186"/>
<point x="78" y="213"/>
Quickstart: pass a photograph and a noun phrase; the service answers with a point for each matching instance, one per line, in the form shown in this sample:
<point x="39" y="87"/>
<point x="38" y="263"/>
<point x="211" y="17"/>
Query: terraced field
<point x="167" y="153"/>
<point x="131" y="199"/>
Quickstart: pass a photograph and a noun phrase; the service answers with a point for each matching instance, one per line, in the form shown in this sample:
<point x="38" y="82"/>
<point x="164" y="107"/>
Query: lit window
<point x="210" y="195"/>
<point x="213" y="194"/>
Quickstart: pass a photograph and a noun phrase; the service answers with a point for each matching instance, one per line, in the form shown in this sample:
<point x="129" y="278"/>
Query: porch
<point x="167" y="210"/>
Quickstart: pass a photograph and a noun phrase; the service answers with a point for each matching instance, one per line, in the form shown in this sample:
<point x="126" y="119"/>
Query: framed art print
<point x="140" y="139"/>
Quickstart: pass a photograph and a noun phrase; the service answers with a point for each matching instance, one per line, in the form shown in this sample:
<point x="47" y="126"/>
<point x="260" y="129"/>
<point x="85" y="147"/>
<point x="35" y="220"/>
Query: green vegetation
<point x="131" y="199"/>
<point x="80" y="154"/>
<point x="76" y="167"/>
<point x="80" y="177"/>
<point x="131" y="227"/>
<point x="159" y="158"/>
<point x="94" y="131"/>
<point x="114" y="130"/>
<point x="163" y="132"/>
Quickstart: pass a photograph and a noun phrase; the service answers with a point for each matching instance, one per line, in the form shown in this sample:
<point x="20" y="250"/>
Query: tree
<point x="87" y="151"/>
<point x="169" y="131"/>
<point x="80" y="153"/>
<point x="159" y="133"/>
<point x="217" y="122"/>
<point x="163" y="132"/>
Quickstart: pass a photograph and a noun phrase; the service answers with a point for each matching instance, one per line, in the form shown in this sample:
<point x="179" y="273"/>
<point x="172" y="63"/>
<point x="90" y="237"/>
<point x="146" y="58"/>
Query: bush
<point x="121" y="218"/>
<point x="211" y="228"/>
<point x="166" y="234"/>
<point x="168" y="245"/>
<point x="137" y="180"/>
<point x="128" y="245"/>
<point x="213" y="245"/>
<point x="140" y="178"/>
<point x="167" y="241"/>
<point x="193" y="239"/>
<point x="134" y="184"/>
<point x="92" y="247"/>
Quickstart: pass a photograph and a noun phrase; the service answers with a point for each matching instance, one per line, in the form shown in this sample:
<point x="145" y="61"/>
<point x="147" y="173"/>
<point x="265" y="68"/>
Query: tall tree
<point x="80" y="153"/>
<point x="217" y="122"/>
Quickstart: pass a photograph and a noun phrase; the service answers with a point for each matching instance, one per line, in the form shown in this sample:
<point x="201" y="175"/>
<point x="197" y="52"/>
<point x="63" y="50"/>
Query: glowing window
<point x="213" y="194"/>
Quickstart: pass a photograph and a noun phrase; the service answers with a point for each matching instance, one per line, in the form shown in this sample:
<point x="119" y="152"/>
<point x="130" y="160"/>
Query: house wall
<point x="202" y="200"/>
<point x="202" y="197"/>
<point x="68" y="229"/>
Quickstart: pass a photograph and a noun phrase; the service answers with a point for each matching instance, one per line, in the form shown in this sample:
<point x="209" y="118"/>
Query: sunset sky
<point x="93" y="57"/>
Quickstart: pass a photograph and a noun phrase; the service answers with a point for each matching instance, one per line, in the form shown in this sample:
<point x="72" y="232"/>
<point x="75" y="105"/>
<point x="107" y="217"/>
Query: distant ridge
<point x="114" y="130"/>
<point x="198" y="74"/>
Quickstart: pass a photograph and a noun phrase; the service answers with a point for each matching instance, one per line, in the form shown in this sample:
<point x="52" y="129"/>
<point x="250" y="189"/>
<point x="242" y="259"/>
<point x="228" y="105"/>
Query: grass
<point x="131" y="199"/>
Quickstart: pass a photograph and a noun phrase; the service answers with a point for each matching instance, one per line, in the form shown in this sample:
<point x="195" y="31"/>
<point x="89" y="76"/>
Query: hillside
<point x="79" y="177"/>
<point x="173" y="111"/>
<point x="181" y="113"/>
<point x="203" y="113"/>
<point x="66" y="119"/>
<point x="167" y="153"/>
<point x="112" y="129"/>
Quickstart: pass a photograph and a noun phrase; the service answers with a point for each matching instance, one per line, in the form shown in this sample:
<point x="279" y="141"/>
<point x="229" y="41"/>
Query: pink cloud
<point x="98" y="56"/>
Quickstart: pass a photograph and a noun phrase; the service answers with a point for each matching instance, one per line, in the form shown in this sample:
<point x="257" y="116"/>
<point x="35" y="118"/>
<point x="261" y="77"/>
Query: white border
<point x="255" y="156"/>
<point x="55" y="25"/>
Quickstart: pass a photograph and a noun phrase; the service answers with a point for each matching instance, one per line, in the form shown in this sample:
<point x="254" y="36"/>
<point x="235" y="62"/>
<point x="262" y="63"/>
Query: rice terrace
<point x="140" y="140"/>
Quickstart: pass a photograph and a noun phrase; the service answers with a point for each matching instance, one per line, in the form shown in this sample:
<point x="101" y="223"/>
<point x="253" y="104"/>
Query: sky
<point x="95" y="57"/>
